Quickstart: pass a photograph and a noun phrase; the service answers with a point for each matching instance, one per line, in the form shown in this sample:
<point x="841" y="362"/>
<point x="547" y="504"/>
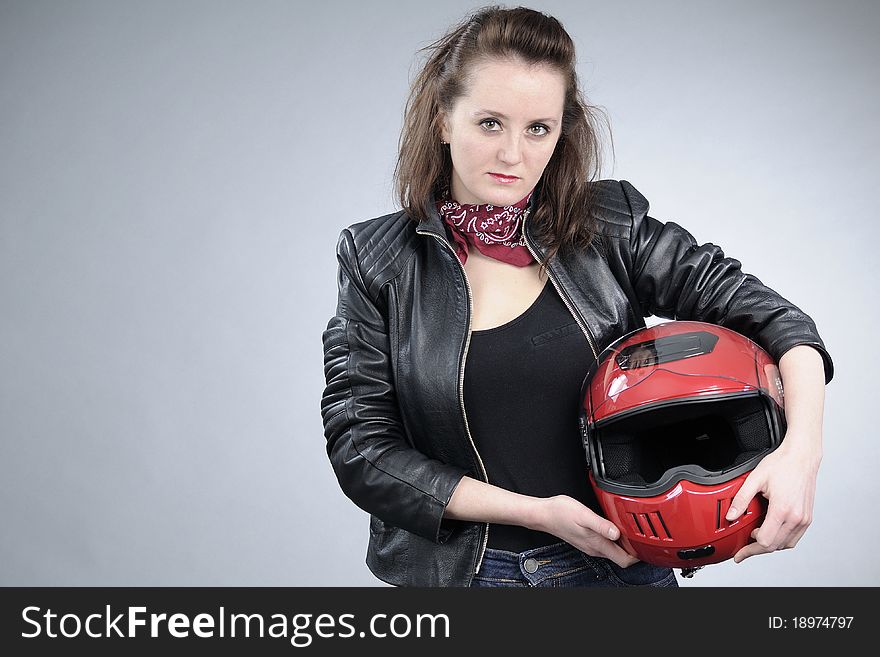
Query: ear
<point x="444" y="126"/>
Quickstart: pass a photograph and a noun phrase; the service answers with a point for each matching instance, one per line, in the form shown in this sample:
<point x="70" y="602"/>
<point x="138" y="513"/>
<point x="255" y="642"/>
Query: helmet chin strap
<point x="689" y="572"/>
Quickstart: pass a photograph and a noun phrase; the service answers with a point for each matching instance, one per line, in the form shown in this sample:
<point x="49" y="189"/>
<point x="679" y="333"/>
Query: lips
<point x="503" y="177"/>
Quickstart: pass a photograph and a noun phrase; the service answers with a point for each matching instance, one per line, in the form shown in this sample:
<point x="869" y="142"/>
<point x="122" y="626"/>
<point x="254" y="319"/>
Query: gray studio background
<point x="173" y="178"/>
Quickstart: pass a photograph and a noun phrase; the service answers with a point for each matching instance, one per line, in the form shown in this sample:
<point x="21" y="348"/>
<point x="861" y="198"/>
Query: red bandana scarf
<point x="495" y="230"/>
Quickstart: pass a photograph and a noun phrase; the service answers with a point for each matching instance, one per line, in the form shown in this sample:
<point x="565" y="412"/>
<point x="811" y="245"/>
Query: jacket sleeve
<point x="674" y="277"/>
<point x="369" y="450"/>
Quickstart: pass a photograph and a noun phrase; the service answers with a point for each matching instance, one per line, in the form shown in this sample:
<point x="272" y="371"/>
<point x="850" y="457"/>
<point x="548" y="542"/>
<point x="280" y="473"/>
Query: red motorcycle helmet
<point x="674" y="418"/>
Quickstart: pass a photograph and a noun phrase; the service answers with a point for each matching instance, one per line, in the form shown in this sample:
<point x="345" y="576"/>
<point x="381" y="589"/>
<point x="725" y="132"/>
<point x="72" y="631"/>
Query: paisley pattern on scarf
<point x="495" y="230"/>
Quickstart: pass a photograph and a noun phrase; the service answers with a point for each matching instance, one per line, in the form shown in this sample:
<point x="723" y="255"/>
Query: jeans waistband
<point x="538" y="564"/>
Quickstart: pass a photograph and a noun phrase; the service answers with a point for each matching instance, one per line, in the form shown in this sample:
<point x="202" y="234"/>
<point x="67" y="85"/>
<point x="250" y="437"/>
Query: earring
<point x="443" y="142"/>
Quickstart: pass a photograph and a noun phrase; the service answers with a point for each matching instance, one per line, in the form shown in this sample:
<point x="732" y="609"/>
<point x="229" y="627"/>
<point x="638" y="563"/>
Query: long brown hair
<point x="564" y="195"/>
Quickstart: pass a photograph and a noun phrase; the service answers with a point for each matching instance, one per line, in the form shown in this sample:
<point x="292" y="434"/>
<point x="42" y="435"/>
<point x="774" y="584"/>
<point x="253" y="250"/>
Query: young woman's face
<point x="508" y="123"/>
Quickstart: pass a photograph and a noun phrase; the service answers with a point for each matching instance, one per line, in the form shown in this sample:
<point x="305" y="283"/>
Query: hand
<point x="581" y="527"/>
<point x="787" y="478"/>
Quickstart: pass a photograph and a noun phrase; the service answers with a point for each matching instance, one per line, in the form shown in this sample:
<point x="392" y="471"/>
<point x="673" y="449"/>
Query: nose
<point x="510" y="150"/>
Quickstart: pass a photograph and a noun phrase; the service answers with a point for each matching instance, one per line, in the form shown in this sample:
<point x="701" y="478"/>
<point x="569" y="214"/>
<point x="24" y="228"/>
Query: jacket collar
<point x="433" y="223"/>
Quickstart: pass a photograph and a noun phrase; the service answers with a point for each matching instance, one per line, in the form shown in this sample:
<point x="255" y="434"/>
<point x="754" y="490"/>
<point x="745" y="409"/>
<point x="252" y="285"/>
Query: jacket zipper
<point x="563" y="295"/>
<point x="461" y="382"/>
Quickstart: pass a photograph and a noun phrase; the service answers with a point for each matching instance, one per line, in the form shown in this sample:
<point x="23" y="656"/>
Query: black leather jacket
<point x="394" y="353"/>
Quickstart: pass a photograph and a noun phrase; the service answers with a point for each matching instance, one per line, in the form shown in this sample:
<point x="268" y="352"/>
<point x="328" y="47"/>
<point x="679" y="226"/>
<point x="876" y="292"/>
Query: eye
<point x="540" y="126"/>
<point x="485" y="121"/>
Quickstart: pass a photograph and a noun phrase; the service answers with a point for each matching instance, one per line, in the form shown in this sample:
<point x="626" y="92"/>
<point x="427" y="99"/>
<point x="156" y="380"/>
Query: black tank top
<point x="521" y="392"/>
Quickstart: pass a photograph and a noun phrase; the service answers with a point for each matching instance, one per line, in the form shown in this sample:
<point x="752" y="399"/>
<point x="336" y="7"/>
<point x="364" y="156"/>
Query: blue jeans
<point x="561" y="564"/>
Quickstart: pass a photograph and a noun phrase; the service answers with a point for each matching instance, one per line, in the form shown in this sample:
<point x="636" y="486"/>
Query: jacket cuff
<point x="779" y="348"/>
<point x="445" y="527"/>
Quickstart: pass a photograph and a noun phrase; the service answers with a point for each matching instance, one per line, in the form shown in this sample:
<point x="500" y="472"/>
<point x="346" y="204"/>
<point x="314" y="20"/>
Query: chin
<point x="505" y="196"/>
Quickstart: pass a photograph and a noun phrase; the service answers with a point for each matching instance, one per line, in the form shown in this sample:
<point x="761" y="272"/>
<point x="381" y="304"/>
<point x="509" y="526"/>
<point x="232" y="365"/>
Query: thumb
<point x="601" y="526"/>
<point x="608" y="529"/>
<point x="611" y="531"/>
<point x="744" y="496"/>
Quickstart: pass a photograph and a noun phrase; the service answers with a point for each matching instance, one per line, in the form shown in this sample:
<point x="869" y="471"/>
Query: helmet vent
<point x="651" y="525"/>
<point x="720" y="511"/>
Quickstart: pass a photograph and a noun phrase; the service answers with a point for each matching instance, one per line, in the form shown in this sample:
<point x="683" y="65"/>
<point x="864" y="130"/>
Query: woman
<point x="467" y="321"/>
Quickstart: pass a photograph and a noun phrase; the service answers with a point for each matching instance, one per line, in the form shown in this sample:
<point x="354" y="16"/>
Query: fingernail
<point x="612" y="533"/>
<point x="731" y="513"/>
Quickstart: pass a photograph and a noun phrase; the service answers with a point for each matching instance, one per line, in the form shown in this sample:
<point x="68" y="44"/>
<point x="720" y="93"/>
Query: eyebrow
<point x="502" y="116"/>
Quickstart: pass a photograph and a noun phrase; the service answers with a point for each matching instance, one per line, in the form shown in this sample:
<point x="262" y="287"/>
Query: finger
<point x="608" y="549"/>
<point x="617" y="554"/>
<point x="744" y="496"/>
<point x="749" y="550"/>
<point x="596" y="546"/>
<point x="788" y="543"/>
<point x="770" y="532"/>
